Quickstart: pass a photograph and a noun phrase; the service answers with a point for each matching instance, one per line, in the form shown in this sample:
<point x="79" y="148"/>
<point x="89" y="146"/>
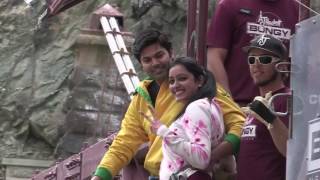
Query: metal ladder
<point x="120" y="54"/>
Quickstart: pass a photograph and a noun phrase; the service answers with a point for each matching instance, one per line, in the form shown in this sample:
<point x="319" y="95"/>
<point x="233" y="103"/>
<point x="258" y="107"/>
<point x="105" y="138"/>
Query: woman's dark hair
<point x="208" y="89"/>
<point x="147" y="38"/>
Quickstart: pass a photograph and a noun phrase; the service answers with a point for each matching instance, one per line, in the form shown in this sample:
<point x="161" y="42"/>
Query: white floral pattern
<point x="189" y="140"/>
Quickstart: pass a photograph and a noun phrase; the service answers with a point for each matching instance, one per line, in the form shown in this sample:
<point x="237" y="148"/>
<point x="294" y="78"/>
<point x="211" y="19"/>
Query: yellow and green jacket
<point x="135" y="129"/>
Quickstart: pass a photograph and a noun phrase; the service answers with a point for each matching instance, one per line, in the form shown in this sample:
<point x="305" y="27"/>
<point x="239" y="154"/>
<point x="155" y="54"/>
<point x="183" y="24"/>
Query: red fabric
<point x="200" y="175"/>
<point x="258" y="158"/>
<point x="57" y="6"/>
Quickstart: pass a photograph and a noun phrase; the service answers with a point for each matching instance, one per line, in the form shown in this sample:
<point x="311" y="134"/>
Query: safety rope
<point x="305" y="6"/>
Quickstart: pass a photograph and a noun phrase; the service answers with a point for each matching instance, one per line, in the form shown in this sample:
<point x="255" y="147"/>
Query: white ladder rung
<point x="126" y="58"/>
<point x="120" y="54"/>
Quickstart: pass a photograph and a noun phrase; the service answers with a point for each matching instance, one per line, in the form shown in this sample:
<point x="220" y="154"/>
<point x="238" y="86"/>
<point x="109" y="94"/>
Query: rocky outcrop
<point x="37" y="64"/>
<point x="315" y="5"/>
<point x="35" y="67"/>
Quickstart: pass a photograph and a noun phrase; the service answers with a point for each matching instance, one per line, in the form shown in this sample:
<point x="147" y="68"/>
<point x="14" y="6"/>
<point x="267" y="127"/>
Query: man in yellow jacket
<point x="154" y="52"/>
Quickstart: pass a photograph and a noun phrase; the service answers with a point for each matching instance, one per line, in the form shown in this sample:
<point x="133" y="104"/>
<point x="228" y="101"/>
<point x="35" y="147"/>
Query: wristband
<point x="259" y="108"/>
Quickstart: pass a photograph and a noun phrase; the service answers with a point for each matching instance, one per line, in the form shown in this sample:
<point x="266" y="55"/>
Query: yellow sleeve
<point x="233" y="116"/>
<point x="128" y="140"/>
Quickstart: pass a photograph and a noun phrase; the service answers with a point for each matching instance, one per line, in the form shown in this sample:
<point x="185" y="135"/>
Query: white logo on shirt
<point x="262" y="40"/>
<point x="267" y="25"/>
<point x="265" y="21"/>
<point x="249" y="131"/>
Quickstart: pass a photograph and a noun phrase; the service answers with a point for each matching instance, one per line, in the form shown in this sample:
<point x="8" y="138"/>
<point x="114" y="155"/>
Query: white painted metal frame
<point x="120" y="54"/>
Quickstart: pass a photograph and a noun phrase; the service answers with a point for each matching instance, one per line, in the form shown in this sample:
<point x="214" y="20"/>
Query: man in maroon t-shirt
<point x="262" y="154"/>
<point x="234" y="24"/>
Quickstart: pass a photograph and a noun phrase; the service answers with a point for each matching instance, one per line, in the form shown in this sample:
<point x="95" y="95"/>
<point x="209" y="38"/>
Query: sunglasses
<point x="264" y="59"/>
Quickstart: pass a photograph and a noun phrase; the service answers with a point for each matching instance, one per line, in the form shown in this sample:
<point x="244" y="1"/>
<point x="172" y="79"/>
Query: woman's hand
<point x="95" y="178"/>
<point x="155" y="122"/>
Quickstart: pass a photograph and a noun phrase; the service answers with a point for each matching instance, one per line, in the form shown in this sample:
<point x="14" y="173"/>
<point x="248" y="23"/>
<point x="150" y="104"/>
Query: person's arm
<point x="224" y="149"/>
<point x="233" y="119"/>
<point x="260" y="109"/>
<point x="222" y="159"/>
<point x="279" y="133"/>
<point x="195" y="147"/>
<point x="127" y="141"/>
<point x="220" y="40"/>
<point x="215" y="64"/>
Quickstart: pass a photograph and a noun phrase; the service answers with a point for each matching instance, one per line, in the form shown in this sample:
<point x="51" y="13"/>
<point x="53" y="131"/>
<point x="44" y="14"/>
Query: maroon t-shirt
<point x="235" y="23"/>
<point x="258" y="158"/>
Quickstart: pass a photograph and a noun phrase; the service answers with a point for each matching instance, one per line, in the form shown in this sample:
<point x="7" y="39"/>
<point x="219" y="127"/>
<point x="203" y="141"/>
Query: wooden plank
<point x="14" y="178"/>
<point x="91" y="157"/>
<point x="26" y="162"/>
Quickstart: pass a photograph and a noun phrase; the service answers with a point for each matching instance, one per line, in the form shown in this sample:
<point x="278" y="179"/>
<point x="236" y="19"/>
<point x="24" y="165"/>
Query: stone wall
<point x="36" y="65"/>
<point x="97" y="99"/>
<point x="37" y="75"/>
<point x="315" y="4"/>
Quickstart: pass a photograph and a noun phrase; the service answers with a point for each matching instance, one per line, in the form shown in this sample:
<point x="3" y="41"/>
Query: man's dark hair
<point x="208" y="88"/>
<point x="147" y="38"/>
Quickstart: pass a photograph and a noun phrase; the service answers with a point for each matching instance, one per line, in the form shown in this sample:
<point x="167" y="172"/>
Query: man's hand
<point x="223" y="150"/>
<point x="155" y="122"/>
<point x="226" y="169"/>
<point x="260" y="109"/>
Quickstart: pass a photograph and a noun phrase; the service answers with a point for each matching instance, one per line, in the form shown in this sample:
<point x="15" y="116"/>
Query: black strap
<point x="262" y="110"/>
<point x="153" y="90"/>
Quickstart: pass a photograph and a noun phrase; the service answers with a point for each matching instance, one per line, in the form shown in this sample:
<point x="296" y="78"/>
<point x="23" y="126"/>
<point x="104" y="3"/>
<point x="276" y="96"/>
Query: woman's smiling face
<point x="182" y="83"/>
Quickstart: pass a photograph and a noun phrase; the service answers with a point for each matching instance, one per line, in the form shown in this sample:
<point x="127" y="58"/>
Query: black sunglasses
<point x="264" y="59"/>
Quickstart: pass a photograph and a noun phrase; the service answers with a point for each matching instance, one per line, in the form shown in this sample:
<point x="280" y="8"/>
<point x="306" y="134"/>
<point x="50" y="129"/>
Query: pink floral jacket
<point x="189" y="140"/>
